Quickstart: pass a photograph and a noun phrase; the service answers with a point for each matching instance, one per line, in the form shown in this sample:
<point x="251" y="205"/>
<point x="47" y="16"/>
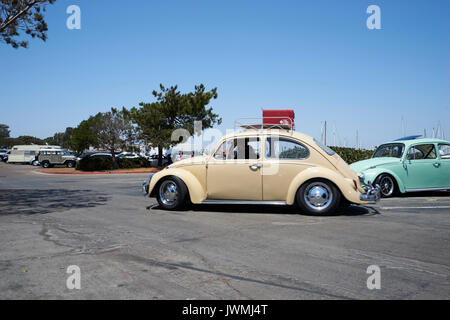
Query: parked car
<point x="262" y="166"/>
<point x="3" y="153"/>
<point x="153" y="159"/>
<point x="27" y="153"/>
<point x="35" y="161"/>
<point x="407" y="165"/>
<point x="6" y="156"/>
<point x="100" y="155"/>
<point x="51" y="157"/>
<point x="129" y="155"/>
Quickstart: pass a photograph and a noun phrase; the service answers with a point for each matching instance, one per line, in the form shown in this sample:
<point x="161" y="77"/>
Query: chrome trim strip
<point x="260" y="202"/>
<point x="430" y="189"/>
<point x="263" y="163"/>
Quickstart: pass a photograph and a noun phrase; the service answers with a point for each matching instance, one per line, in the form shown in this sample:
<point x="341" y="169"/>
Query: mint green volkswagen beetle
<point x="408" y="164"/>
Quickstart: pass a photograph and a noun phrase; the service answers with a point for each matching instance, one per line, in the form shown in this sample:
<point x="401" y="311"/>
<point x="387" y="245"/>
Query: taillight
<point x="355" y="183"/>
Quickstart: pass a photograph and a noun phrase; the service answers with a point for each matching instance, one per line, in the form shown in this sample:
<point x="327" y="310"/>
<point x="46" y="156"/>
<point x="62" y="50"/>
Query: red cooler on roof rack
<point x="279" y="117"/>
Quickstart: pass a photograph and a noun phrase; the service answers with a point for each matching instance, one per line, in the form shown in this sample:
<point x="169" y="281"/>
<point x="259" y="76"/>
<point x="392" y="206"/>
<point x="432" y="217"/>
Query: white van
<point x="27" y="153"/>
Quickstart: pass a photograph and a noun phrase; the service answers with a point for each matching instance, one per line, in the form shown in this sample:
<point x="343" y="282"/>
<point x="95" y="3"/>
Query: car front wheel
<point x="46" y="164"/>
<point x="318" y="197"/>
<point x="171" y="194"/>
<point x="387" y="185"/>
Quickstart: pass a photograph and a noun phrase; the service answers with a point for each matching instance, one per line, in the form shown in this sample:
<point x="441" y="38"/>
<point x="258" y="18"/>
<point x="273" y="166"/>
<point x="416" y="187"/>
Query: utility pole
<point x="357" y="140"/>
<point x="439" y="131"/>
<point x="325" y="141"/>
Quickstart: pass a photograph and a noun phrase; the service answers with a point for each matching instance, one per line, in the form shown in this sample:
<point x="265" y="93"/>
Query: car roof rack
<point x="409" y="138"/>
<point x="264" y="123"/>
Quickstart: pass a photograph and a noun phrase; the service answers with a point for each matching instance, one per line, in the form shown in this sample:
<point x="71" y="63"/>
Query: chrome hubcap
<point x="387" y="186"/>
<point x="168" y="193"/>
<point x="318" y="196"/>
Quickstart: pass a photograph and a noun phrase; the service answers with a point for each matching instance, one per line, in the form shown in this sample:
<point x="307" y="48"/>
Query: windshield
<point x="393" y="150"/>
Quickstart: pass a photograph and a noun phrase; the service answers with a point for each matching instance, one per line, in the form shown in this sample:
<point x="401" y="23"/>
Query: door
<point x="284" y="159"/>
<point x="234" y="171"/>
<point x="444" y="154"/>
<point x="423" y="168"/>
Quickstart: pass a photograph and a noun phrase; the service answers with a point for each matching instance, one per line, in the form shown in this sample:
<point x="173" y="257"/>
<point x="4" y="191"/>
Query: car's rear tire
<point x="70" y="164"/>
<point x="171" y="193"/>
<point x="387" y="185"/>
<point x="318" y="197"/>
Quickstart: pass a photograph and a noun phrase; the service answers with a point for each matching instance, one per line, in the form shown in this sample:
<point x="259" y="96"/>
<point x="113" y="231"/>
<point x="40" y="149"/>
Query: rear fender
<point x="346" y="186"/>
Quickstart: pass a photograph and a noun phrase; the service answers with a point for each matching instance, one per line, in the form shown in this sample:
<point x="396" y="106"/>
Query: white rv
<point x="27" y="153"/>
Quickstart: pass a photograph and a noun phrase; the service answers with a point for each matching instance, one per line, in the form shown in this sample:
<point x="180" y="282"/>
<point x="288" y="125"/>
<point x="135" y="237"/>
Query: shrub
<point x="133" y="163"/>
<point x="351" y="155"/>
<point x="103" y="163"/>
<point x="94" y="164"/>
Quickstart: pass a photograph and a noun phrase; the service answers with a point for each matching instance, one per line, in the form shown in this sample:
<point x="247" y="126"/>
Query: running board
<point x="430" y="189"/>
<point x="244" y="202"/>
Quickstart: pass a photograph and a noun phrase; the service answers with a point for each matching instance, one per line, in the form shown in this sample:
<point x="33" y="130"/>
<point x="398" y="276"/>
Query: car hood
<point x="363" y="165"/>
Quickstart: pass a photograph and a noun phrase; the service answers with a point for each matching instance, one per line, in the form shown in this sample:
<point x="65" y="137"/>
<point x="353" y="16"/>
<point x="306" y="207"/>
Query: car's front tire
<point x="46" y="164"/>
<point x="318" y="197"/>
<point x="387" y="185"/>
<point x="171" y="193"/>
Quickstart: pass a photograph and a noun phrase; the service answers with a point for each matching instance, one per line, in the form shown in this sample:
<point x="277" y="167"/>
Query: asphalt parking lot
<point x="126" y="251"/>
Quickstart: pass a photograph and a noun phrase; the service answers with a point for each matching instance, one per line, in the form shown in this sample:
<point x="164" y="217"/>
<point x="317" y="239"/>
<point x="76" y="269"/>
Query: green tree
<point x="113" y="132"/>
<point x="173" y="110"/>
<point x="22" y="16"/>
<point x="61" y="138"/>
<point x="4" y="131"/>
<point x="83" y="136"/>
<point x="110" y="131"/>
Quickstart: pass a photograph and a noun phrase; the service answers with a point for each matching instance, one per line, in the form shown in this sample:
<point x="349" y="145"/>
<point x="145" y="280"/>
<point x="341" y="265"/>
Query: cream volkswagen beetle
<point x="263" y="166"/>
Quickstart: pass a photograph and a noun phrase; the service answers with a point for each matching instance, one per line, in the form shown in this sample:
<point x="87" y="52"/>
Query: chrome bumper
<point x="372" y="194"/>
<point x="146" y="185"/>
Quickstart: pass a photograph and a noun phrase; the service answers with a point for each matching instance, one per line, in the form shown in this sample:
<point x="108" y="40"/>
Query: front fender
<point x="345" y="185"/>
<point x="372" y="174"/>
<point x="197" y="192"/>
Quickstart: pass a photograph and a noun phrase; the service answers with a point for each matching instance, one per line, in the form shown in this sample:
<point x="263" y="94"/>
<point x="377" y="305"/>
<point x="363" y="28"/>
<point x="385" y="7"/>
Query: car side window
<point x="421" y="152"/>
<point x="444" y="151"/>
<point x="239" y="149"/>
<point x="283" y="148"/>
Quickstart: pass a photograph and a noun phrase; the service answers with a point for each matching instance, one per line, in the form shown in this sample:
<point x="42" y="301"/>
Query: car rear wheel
<point x="387" y="185"/>
<point x="70" y="164"/>
<point x="171" y="194"/>
<point x="318" y="197"/>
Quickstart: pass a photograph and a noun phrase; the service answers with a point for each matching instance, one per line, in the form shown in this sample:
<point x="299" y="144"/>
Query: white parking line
<point x="433" y="207"/>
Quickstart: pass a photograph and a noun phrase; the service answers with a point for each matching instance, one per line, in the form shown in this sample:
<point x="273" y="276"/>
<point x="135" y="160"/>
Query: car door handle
<point x="255" y="166"/>
<point x="437" y="164"/>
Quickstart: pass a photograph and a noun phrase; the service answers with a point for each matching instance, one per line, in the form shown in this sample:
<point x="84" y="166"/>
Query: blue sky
<point x="317" y="57"/>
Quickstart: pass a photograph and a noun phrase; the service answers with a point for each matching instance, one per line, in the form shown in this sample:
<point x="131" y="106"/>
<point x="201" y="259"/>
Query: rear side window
<point x="328" y="150"/>
<point x="444" y="151"/>
<point x="422" y="152"/>
<point x="282" y="148"/>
